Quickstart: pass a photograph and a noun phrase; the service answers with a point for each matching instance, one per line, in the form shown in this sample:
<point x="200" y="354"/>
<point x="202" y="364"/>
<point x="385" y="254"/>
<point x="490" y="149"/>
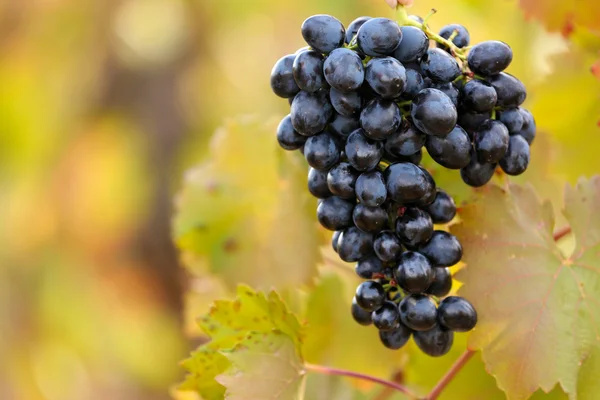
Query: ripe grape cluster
<point x="364" y="102"/>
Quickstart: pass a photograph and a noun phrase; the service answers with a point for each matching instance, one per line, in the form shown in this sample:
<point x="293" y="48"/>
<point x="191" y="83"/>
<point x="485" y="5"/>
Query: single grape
<point x="457" y="314"/>
<point x="378" y="37"/>
<point x="386" y="317"/>
<point x="370" y="189"/>
<point x="343" y="126"/>
<point x="429" y="196"/>
<point x="321" y="151"/>
<point x="346" y="104"/>
<point x="407" y="183"/>
<point x="413" y="46"/>
<point x="439" y="66"/>
<point x="413" y="158"/>
<point x="363" y="154"/>
<point x="414" y="84"/>
<point x="334" y="240"/>
<point x="434" y="342"/>
<point x="310" y="113"/>
<point x="442" y="250"/>
<point x="477" y="174"/>
<point x="387" y="246"/>
<point x="478" y="96"/>
<point x="317" y="183"/>
<point x="369" y="219"/>
<point x="344" y="70"/>
<point x="405" y="141"/>
<point x="335" y="213"/>
<point x="443" y="209"/>
<point x="511" y="91"/>
<point x="452" y="151"/>
<point x="450" y="90"/>
<point x="489" y="58"/>
<point x="516" y="159"/>
<point x="462" y="38"/>
<point x="418" y="312"/>
<point x="370" y="295"/>
<point x="529" y="129"/>
<point x="471" y="121"/>
<point x="354" y="244"/>
<point x="395" y="338"/>
<point x="413" y="273"/>
<point x="442" y="282"/>
<point x="368" y="266"/>
<point x="512" y="118"/>
<point x="491" y="141"/>
<point x="341" y="180"/>
<point x="287" y="137"/>
<point x="282" y="77"/>
<point x="380" y="118"/>
<point x="308" y="71"/>
<point x="323" y="33"/>
<point x="360" y="315"/>
<point x="354" y="27"/>
<point x="434" y="113"/>
<point x="386" y="76"/>
<point x="414" y="227"/>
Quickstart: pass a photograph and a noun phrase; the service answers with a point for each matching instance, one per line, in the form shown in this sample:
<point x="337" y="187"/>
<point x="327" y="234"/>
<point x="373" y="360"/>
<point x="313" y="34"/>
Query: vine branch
<point x="449" y="376"/>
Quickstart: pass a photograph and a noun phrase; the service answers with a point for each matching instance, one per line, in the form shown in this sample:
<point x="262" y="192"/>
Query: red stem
<point x="447" y="378"/>
<point x="559" y="234"/>
<point x="351" y="374"/>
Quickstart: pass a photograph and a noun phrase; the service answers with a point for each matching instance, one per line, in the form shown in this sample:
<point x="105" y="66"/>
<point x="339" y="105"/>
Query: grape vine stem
<point x="449" y="376"/>
<point x="351" y="374"/>
<point x="561" y="233"/>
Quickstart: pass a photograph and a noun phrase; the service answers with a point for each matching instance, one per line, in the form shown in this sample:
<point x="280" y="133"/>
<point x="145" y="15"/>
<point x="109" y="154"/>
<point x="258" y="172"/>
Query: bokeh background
<point x="105" y="103"/>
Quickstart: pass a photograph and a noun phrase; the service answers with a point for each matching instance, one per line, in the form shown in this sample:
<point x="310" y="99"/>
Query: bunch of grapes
<point x="364" y="102"/>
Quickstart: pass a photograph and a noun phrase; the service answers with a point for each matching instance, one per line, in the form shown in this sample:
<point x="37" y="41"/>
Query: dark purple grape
<point x="449" y="90"/>
<point x="414" y="84"/>
<point x="368" y="266"/>
<point x="321" y="151"/>
<point x="407" y="183"/>
<point x="344" y="70"/>
<point x="440" y="66"/>
<point x="346" y="104"/>
<point x="491" y="141"/>
<point x="370" y="219"/>
<point x="462" y="38"/>
<point x="370" y="295"/>
<point x="310" y="113"/>
<point x="406" y="141"/>
<point x="335" y="213"/>
<point x="529" y="129"/>
<point x="343" y="126"/>
<point x="489" y="58"/>
<point x="282" y="77"/>
<point x="287" y="137"/>
<point x="317" y="184"/>
<point x="370" y="189"/>
<point x="471" y="121"/>
<point x="477" y="174"/>
<point x="413" y="46"/>
<point x="511" y="91"/>
<point x="452" y="151"/>
<point x="378" y="37"/>
<point x="442" y="250"/>
<point x="354" y="244"/>
<point x="395" y="338"/>
<point x="308" y="71"/>
<point x="334" y="240"/>
<point x="516" y="159"/>
<point x="413" y="273"/>
<point x="386" y="76"/>
<point x="457" y="314"/>
<point x="386" y="317"/>
<point x="434" y="113"/>
<point x="418" y="312"/>
<point x="443" y="209"/>
<point x="380" y="118"/>
<point x="323" y="33"/>
<point x="341" y="180"/>
<point x="360" y="315"/>
<point x="363" y="154"/>
<point x="478" y="96"/>
<point x="354" y="27"/>
<point x="414" y="227"/>
<point x="387" y="246"/>
<point x="442" y="282"/>
<point x="434" y="342"/>
<point x="512" y="118"/>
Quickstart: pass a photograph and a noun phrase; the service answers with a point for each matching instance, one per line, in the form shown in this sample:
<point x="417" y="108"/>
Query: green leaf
<point x="264" y="366"/>
<point x="538" y="318"/>
<point x="231" y="323"/>
<point x="244" y="211"/>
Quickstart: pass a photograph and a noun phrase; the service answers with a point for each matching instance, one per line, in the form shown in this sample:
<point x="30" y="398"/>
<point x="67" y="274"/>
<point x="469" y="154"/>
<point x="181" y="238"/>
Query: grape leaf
<point x="229" y="323"/>
<point x="246" y="209"/>
<point x="537" y="308"/>
<point x="557" y="14"/>
<point x="264" y="366"/>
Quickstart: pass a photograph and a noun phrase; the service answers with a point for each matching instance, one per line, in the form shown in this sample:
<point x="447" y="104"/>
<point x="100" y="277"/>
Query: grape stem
<point x="449" y="376"/>
<point x="320" y="369"/>
<point x="403" y="20"/>
<point x="561" y="233"/>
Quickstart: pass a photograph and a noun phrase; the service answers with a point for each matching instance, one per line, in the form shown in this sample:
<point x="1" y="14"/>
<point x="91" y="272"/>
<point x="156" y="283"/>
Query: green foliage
<point x="537" y="307"/>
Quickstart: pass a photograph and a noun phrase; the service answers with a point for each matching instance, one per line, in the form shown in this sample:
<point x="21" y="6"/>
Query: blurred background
<point x="105" y="103"/>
